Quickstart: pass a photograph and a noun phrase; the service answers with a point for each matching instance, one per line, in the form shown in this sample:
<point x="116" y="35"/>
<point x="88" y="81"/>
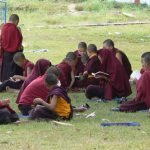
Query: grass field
<point x="85" y="134"/>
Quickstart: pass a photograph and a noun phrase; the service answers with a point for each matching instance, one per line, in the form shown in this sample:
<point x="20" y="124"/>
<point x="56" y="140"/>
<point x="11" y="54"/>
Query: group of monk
<point x="43" y="87"/>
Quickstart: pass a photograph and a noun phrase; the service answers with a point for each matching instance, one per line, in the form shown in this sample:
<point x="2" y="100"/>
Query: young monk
<point x="78" y="83"/>
<point x="58" y="104"/>
<point x="36" y="89"/>
<point x="16" y="81"/>
<point x="11" y="43"/>
<point x="142" y="99"/>
<point x="82" y="48"/>
<point x="120" y="55"/>
<point x="39" y="70"/>
<point x="116" y="85"/>
<point x="92" y="66"/>
<point x="7" y="114"/>
<point x="67" y="76"/>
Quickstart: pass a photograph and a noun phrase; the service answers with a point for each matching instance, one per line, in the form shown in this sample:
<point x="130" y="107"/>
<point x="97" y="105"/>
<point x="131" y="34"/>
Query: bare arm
<point x="28" y="70"/>
<point x="119" y="57"/>
<point x="72" y="79"/>
<point x="50" y="106"/>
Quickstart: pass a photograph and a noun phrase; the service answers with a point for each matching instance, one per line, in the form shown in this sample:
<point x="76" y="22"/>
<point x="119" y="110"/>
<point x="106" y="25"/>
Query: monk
<point x="58" y="104"/>
<point x="92" y="66"/>
<point x="116" y="85"/>
<point x="7" y="114"/>
<point x="142" y="99"/>
<point x="39" y="69"/>
<point x="36" y="89"/>
<point x="0" y="51"/>
<point x="16" y="81"/>
<point x="82" y="48"/>
<point x="120" y="55"/>
<point x="11" y="43"/>
<point x="66" y="67"/>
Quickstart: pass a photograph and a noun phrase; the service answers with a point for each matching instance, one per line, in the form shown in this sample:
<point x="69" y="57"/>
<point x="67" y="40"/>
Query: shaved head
<point x="14" y="18"/>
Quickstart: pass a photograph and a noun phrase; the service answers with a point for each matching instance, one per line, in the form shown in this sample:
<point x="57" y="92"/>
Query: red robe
<point x="39" y="69"/>
<point x="93" y="66"/>
<point x="80" y="66"/>
<point x="125" y="61"/>
<point x="119" y="85"/>
<point x="11" y="38"/>
<point x="65" y="76"/>
<point x="27" y="64"/>
<point x="36" y="89"/>
<point x="142" y="99"/>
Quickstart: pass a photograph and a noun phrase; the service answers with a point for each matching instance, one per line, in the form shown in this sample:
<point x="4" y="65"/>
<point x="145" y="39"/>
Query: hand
<point x="5" y="102"/>
<point x="38" y="101"/>
<point x="15" y="77"/>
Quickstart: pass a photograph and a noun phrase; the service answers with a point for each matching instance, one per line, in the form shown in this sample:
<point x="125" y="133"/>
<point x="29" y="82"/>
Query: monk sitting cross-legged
<point x="66" y="67"/>
<point x="142" y="99"/>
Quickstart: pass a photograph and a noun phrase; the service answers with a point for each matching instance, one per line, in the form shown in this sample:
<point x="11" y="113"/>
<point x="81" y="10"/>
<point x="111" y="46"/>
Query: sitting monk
<point x="142" y="99"/>
<point x="67" y="77"/>
<point x="82" y="48"/>
<point x="39" y="69"/>
<point x="58" y="104"/>
<point x="92" y="66"/>
<point x="120" y="55"/>
<point x="7" y="114"/>
<point x="16" y="81"/>
<point x="114" y="82"/>
<point x="36" y="89"/>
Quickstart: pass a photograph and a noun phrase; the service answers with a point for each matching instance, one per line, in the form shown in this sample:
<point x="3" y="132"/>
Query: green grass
<point x="85" y="134"/>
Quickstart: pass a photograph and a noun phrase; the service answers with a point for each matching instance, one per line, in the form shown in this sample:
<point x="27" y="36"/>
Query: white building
<point x="135" y="1"/>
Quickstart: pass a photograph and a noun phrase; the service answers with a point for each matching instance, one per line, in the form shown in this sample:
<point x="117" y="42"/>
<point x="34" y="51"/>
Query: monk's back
<point x="36" y="89"/>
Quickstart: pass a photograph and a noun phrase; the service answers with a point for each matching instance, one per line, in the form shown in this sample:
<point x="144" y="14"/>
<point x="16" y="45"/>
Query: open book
<point x="100" y="73"/>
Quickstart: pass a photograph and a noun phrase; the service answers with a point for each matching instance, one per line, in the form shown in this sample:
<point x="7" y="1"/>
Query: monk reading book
<point x="58" y="104"/>
<point x="66" y="67"/>
<point x="36" y="89"/>
<point x="142" y="99"/>
<point x="92" y="66"/>
<point x="115" y="84"/>
<point x="39" y="69"/>
<point x="16" y="81"/>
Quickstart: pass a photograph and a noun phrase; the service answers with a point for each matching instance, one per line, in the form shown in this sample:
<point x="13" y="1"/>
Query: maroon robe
<point x="142" y="99"/>
<point x="65" y="76"/>
<point x="36" y="89"/>
<point x="80" y="66"/>
<point x="11" y="42"/>
<point x="27" y="64"/>
<point x="119" y="85"/>
<point x="43" y="112"/>
<point x="11" y="38"/>
<point x="39" y="69"/>
<point x="93" y="65"/>
<point x="125" y="61"/>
